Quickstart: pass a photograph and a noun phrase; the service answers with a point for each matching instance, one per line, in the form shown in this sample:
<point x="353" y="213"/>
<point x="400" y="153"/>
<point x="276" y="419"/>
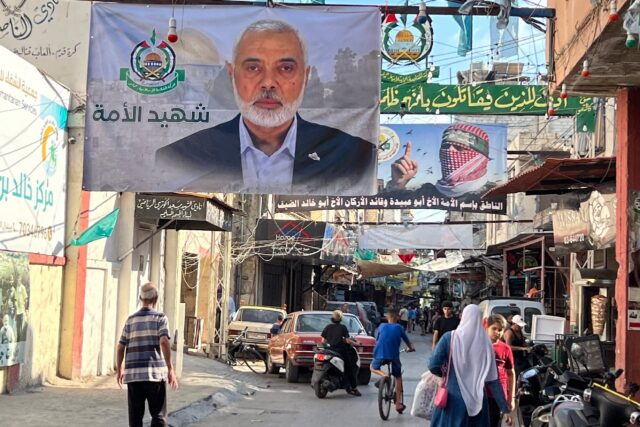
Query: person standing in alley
<point x="404" y="318"/>
<point x="445" y="323"/>
<point x="147" y="366"/>
<point x="467" y="359"/>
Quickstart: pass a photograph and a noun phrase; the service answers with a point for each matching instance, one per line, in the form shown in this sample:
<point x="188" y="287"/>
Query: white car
<point x="258" y="320"/>
<point x="525" y="307"/>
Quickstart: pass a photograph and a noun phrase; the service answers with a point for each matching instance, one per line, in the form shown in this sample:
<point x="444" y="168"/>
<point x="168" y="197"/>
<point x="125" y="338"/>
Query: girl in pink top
<point x="495" y="326"/>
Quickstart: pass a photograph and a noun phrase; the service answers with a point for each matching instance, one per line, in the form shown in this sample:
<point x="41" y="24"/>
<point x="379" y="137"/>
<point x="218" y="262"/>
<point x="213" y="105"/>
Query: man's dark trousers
<point x="153" y="392"/>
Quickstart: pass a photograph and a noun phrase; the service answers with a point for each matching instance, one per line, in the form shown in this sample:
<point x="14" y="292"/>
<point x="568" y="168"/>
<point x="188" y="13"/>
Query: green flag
<point x="102" y="228"/>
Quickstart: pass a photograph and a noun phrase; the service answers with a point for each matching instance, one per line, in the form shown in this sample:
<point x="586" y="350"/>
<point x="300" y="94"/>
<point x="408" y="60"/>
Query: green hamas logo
<point x="154" y="67"/>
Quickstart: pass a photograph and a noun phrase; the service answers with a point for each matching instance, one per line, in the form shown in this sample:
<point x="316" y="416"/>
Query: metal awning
<point x="370" y="269"/>
<point x="519" y="241"/>
<point x="558" y="176"/>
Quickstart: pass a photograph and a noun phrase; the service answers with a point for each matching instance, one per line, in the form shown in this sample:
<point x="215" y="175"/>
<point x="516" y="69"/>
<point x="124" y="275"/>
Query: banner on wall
<point x="591" y="226"/>
<point x="428" y="166"/>
<point x="14" y="307"/>
<point x="200" y="114"/>
<point x="33" y="158"/>
<point x="38" y="32"/>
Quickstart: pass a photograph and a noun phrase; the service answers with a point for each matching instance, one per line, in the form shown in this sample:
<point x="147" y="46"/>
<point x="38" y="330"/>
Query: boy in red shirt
<point x="495" y="326"/>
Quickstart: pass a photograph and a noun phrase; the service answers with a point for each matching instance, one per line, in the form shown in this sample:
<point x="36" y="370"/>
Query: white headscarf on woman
<point x="474" y="359"/>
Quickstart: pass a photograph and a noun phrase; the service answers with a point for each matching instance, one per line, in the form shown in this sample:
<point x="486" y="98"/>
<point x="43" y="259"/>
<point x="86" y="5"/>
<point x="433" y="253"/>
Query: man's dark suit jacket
<point x="209" y="160"/>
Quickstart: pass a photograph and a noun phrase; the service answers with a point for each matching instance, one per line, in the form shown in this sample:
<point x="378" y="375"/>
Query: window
<point x="529" y="312"/>
<point x="258" y="315"/>
<point x="286" y="325"/>
<point x="317" y="323"/>
<point x="505" y="310"/>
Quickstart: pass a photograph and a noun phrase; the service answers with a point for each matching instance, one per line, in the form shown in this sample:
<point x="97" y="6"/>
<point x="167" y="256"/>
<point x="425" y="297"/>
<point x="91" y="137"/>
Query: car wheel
<point x="291" y="372"/>
<point x="271" y="368"/>
<point x="364" y="376"/>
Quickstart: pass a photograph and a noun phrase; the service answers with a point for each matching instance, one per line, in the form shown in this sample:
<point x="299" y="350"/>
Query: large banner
<point x="429" y="166"/>
<point x="14" y="307"/>
<point x="423" y="236"/>
<point x="249" y="99"/>
<point x="592" y="226"/>
<point x="33" y="158"/>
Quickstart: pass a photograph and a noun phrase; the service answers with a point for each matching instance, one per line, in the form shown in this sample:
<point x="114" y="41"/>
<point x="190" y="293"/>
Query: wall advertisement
<point x="33" y="158"/>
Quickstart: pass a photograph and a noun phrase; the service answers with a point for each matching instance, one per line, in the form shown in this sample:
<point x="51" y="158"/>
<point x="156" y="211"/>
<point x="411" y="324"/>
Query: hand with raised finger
<point x="404" y="169"/>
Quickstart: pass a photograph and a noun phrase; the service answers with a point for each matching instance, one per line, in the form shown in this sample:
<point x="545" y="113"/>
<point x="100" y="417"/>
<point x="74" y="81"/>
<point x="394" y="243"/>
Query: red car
<point x="293" y="348"/>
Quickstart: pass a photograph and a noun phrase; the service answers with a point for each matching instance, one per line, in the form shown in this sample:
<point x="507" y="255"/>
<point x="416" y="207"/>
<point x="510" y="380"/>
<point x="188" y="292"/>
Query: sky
<point x="530" y="52"/>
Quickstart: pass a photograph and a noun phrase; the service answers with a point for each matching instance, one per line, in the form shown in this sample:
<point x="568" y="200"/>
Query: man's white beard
<point x="268" y="118"/>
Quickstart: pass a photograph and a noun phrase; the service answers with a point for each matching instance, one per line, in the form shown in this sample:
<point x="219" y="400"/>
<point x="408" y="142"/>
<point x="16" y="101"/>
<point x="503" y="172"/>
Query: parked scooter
<point x="588" y="402"/>
<point x="328" y="371"/>
<point x="537" y="386"/>
<point x="599" y="407"/>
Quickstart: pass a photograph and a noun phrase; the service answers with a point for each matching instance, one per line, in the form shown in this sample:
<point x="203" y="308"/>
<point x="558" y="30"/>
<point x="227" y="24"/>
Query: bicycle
<point x="241" y="352"/>
<point x="387" y="390"/>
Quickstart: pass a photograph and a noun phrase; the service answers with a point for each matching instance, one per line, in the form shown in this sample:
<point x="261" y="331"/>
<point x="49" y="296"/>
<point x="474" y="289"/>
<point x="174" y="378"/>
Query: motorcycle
<point x="588" y="400"/>
<point x="328" y="371"/>
<point x="599" y="406"/>
<point x="536" y="386"/>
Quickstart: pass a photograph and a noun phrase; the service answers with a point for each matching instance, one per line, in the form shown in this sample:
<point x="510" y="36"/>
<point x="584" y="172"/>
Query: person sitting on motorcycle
<point x="514" y="336"/>
<point x="390" y="336"/>
<point x="337" y="336"/>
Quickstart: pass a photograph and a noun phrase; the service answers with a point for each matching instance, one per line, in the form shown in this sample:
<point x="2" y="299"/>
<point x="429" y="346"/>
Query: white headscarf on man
<point x="474" y="359"/>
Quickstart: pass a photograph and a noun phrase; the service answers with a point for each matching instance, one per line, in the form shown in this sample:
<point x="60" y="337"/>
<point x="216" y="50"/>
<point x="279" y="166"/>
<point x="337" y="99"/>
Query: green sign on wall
<point x="429" y="98"/>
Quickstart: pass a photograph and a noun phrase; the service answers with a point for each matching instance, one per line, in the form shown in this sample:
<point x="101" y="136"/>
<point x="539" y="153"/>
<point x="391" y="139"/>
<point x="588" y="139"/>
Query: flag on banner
<point x="103" y="228"/>
<point x="465" y="37"/>
<point x="504" y="43"/>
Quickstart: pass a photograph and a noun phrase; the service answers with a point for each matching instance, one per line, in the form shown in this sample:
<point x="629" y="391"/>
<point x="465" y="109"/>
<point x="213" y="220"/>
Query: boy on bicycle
<point x="390" y="336"/>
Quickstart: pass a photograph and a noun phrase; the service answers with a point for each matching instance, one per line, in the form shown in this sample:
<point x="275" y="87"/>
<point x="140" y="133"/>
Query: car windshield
<point x="340" y="306"/>
<point x="316" y="323"/>
<point x="258" y="315"/>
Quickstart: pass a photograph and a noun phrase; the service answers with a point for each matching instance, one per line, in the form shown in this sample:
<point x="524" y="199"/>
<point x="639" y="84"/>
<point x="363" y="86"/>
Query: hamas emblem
<point x="153" y="67"/>
<point x="404" y="44"/>
<point x="388" y="144"/>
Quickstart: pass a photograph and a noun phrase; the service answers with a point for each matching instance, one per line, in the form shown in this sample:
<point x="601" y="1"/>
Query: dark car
<point x="354" y="308"/>
<point x="372" y="312"/>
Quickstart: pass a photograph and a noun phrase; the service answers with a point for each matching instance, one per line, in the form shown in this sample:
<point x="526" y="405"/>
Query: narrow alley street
<point x="283" y="404"/>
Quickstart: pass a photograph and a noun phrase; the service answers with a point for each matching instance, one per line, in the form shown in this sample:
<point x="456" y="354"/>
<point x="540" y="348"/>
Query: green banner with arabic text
<point x="430" y="98"/>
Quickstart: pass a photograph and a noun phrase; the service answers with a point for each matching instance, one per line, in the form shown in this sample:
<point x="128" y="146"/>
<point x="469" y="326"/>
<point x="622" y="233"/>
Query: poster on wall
<point x="428" y="166"/>
<point x="33" y="158"/>
<point x="14" y="307"/>
<point x="38" y="32"/>
<point x="633" y="320"/>
<point x="248" y="100"/>
<point x="591" y="226"/>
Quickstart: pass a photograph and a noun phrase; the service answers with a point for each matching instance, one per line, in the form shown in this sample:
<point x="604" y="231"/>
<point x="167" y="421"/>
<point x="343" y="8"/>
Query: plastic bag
<point x="424" y="396"/>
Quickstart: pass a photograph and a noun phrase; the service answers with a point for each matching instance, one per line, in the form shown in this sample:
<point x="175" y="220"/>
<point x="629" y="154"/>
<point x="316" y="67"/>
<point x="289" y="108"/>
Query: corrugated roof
<point x="559" y="176"/>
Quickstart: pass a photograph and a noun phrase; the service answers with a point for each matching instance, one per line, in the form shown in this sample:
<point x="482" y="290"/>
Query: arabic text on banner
<point x="452" y="166"/>
<point x="165" y="117"/>
<point x="33" y="158"/>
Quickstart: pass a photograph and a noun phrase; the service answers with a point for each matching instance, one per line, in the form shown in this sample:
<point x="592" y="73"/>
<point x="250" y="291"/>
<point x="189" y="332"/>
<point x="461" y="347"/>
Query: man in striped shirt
<point x="147" y="366"/>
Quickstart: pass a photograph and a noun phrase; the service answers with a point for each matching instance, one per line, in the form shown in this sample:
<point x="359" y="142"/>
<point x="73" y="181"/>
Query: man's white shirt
<point x="268" y="174"/>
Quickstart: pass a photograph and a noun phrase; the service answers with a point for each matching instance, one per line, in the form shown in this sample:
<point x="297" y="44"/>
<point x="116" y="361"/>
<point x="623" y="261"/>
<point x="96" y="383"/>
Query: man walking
<point x="444" y="324"/>
<point x="146" y="371"/>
